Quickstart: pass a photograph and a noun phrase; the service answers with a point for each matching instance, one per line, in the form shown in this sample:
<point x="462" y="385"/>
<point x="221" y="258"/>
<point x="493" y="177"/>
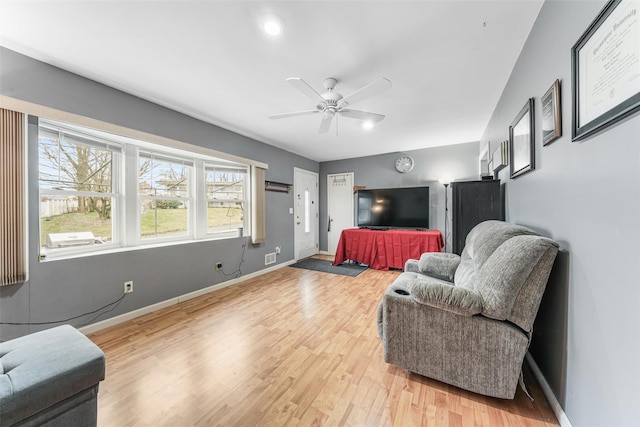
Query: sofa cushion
<point x="508" y="269"/>
<point x="487" y="236"/>
<point x="480" y="244"/>
<point x="445" y="296"/>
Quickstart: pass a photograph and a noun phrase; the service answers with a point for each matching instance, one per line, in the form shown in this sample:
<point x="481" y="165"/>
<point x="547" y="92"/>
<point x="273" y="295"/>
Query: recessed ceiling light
<point x="271" y="24"/>
<point x="367" y="125"/>
<point x="272" y="28"/>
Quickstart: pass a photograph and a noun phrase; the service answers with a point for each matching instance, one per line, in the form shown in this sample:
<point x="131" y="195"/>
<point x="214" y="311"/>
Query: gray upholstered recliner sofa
<point x="467" y="320"/>
<point x="50" y="378"/>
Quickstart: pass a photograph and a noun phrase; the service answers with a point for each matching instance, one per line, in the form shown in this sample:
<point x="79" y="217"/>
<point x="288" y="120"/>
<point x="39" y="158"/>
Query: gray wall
<point x="459" y="162"/>
<point x="586" y="196"/>
<point x="65" y="288"/>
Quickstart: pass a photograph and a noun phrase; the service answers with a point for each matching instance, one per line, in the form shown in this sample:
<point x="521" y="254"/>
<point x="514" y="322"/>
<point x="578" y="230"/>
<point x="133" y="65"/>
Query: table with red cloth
<point x="384" y="249"/>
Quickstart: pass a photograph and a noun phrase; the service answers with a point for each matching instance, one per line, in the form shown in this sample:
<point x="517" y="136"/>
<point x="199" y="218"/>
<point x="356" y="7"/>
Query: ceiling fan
<point x="331" y="103"/>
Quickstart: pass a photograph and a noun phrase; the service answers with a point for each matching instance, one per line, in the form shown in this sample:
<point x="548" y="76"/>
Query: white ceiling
<point x="448" y="62"/>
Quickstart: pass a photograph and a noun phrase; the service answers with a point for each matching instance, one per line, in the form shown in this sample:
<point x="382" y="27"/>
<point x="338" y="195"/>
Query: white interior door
<point x="339" y="207"/>
<point x="305" y="212"/>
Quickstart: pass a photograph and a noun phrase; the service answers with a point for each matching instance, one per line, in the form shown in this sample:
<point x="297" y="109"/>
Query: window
<point x="307" y="211"/>
<point x="101" y="191"/>
<point x="78" y="188"/>
<point x="165" y="196"/>
<point x="226" y="190"/>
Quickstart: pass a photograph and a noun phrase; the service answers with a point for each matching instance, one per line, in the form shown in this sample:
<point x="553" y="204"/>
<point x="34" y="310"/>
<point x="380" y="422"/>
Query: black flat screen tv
<point x="406" y="207"/>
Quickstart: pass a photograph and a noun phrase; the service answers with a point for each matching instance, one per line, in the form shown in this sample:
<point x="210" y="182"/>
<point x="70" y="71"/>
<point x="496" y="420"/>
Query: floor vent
<point x="270" y="258"/>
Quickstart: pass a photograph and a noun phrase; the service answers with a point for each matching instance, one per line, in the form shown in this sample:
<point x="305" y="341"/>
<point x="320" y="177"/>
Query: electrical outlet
<point x="218" y="266"/>
<point x="128" y="286"/>
<point x="277" y="250"/>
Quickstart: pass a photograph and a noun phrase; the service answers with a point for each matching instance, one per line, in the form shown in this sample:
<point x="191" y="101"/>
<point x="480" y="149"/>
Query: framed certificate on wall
<point x="605" y="65"/>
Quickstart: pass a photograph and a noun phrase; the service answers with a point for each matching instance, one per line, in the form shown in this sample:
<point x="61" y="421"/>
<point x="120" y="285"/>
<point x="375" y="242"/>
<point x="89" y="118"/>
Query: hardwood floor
<point x="291" y="348"/>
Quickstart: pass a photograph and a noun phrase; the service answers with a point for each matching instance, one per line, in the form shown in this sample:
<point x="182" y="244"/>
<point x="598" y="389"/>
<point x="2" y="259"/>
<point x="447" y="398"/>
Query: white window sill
<point x="53" y="255"/>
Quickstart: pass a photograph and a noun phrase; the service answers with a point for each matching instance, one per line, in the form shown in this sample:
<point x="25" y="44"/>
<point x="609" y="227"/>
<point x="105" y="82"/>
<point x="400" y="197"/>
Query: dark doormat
<point x="325" y="266"/>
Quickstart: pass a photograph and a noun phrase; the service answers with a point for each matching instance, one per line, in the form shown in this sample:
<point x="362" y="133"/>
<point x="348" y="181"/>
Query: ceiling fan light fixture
<point x="367" y="125"/>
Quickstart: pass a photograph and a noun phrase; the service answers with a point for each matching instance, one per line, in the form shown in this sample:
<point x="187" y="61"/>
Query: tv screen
<point x="394" y="207"/>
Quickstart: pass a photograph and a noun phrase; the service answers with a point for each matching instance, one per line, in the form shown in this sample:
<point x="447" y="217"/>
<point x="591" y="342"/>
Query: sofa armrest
<point x="412" y="266"/>
<point x="447" y="297"/>
<point x="439" y="264"/>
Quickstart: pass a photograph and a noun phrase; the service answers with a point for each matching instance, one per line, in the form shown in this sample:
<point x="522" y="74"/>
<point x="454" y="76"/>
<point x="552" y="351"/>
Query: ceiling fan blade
<point x="294" y="114"/>
<point x="361" y="115"/>
<point x="365" y="92"/>
<point x="304" y="87"/>
<point x="325" y="124"/>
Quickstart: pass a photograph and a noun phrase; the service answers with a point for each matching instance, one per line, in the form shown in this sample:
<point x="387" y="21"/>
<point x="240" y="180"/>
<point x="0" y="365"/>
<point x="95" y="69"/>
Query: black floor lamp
<point x="445" y="182"/>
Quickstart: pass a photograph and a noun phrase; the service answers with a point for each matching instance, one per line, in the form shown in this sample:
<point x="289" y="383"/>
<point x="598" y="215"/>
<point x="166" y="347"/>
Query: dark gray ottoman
<point x="50" y="378"/>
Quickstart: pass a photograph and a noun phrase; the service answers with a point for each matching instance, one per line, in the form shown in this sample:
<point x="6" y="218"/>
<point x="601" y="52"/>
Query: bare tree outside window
<point x="76" y="185"/>
<point x="71" y="166"/>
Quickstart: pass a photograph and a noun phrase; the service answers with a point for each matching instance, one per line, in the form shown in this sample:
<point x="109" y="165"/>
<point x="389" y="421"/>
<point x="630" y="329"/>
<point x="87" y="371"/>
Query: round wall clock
<point x="404" y="164"/>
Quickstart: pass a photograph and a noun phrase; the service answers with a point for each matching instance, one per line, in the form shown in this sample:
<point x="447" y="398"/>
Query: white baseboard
<point x="95" y="327"/>
<point x="553" y="401"/>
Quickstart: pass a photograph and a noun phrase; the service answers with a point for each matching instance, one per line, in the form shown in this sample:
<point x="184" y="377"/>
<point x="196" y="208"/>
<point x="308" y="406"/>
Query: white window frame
<point x="115" y="194"/>
<point x="246" y="205"/>
<point x="188" y="199"/>
<point x="126" y="208"/>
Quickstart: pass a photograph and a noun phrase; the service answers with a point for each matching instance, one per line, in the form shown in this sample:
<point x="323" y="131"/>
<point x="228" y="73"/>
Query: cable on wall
<point x="238" y="272"/>
<point x="114" y="303"/>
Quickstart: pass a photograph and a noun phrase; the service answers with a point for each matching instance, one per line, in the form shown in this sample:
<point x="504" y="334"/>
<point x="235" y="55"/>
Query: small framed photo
<point x="551" y="115"/>
<point x="522" y="141"/>
<point x="500" y="157"/>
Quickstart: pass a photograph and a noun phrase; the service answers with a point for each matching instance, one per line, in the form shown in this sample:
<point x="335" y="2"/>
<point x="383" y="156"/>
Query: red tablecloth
<point x="386" y="249"/>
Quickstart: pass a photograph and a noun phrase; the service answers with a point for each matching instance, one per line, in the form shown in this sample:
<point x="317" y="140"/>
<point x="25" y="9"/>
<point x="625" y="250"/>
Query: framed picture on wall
<point x="500" y="158"/>
<point x="522" y="141"/>
<point x="605" y="65"/>
<point x="551" y="116"/>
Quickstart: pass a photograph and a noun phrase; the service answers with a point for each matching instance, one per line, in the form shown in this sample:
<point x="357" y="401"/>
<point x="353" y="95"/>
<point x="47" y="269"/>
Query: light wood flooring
<point x="290" y="348"/>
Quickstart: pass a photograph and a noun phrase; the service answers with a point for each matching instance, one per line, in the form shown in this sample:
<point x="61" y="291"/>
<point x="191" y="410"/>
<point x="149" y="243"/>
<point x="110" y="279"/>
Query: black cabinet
<point x="473" y="202"/>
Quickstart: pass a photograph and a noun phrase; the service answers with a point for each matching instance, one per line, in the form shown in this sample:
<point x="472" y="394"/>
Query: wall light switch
<point x="291" y="211"/>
